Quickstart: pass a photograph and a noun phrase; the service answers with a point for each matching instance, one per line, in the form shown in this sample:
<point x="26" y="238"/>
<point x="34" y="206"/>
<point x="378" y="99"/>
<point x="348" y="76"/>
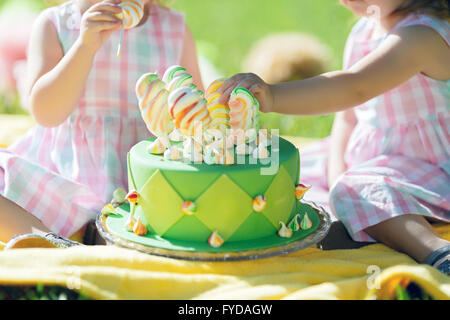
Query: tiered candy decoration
<point x="188" y="111"/>
<point x="220" y="118"/>
<point x="244" y="110"/>
<point x="132" y="13"/>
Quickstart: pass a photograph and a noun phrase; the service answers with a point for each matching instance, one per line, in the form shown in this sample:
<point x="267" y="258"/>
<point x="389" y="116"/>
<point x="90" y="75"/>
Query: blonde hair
<point x="283" y="57"/>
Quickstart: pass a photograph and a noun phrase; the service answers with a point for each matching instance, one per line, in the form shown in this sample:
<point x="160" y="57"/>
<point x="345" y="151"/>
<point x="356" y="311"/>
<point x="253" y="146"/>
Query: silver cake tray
<point x="312" y="239"/>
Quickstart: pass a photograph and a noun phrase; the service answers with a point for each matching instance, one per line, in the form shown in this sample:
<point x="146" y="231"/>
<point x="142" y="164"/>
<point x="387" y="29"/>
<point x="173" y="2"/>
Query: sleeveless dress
<point x="398" y="155"/>
<point x="64" y="175"/>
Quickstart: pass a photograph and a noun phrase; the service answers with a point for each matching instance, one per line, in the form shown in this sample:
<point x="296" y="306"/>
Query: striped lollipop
<point x="188" y="110"/>
<point x="131" y="15"/>
<point x="244" y="110"/>
<point x="176" y="77"/>
<point x="220" y="118"/>
<point x="153" y="100"/>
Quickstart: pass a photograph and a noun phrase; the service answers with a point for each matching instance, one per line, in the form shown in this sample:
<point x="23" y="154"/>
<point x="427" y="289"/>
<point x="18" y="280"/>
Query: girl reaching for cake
<point x="82" y="96"/>
<point x="389" y="152"/>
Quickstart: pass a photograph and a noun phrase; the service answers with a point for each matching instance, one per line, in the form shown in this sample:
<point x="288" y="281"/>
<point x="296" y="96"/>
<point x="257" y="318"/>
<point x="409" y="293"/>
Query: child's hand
<point x="98" y="22"/>
<point x="261" y="90"/>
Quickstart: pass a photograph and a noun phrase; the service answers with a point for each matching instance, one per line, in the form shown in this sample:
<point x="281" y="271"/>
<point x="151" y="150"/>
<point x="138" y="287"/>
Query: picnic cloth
<point x="109" y="272"/>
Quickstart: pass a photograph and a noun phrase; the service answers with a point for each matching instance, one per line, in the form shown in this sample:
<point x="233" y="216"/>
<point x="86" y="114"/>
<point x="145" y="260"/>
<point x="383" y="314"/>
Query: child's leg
<point x="15" y="221"/>
<point x="409" y="233"/>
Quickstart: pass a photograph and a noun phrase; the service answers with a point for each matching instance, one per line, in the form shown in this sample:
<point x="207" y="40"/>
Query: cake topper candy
<point x="244" y="110"/>
<point x="153" y="97"/>
<point x="132" y="13"/>
<point x="220" y="118"/>
<point x="188" y="111"/>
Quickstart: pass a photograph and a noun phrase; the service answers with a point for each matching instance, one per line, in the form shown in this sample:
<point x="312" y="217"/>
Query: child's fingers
<point x="98" y="26"/>
<point x="101" y="16"/>
<point x="240" y="81"/>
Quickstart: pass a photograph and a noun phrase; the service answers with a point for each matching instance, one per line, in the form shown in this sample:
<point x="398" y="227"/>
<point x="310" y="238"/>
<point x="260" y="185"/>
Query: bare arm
<point x="409" y="51"/>
<point x="56" y="81"/>
<point x="189" y="59"/>
<point x="343" y="126"/>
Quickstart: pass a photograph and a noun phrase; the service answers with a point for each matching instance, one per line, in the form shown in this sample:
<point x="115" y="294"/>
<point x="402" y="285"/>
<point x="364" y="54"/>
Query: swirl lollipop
<point x="244" y="110"/>
<point x="220" y="118"/>
<point x="153" y="105"/>
<point x="188" y="110"/>
<point x="132" y="13"/>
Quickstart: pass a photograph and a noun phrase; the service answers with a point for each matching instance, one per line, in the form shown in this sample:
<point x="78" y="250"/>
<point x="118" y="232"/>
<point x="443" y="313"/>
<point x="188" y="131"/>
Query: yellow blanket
<point x="114" y="273"/>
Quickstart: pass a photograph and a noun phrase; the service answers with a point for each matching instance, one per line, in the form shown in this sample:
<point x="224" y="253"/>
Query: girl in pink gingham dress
<point x="387" y="161"/>
<point x="66" y="168"/>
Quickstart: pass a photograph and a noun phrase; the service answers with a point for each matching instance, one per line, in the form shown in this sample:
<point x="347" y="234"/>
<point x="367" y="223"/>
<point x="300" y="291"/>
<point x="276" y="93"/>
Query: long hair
<point x="438" y="8"/>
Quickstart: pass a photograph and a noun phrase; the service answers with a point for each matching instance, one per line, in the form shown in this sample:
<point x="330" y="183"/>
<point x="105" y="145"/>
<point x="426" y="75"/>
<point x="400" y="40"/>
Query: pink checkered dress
<point x="64" y="175"/>
<point x="399" y="152"/>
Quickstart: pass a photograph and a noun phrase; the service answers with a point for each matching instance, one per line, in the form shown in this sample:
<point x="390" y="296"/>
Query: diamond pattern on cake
<point x="179" y="180"/>
<point x="255" y="225"/>
<point x="178" y="230"/>
<point x="224" y="207"/>
<point x="280" y="198"/>
<point x="159" y="203"/>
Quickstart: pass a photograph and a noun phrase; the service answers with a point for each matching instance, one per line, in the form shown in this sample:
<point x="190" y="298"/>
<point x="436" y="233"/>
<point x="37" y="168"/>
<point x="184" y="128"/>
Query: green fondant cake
<point x="213" y="207"/>
<point x="225" y="186"/>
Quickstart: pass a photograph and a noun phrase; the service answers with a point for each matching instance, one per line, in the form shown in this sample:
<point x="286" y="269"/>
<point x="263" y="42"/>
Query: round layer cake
<point x="223" y="200"/>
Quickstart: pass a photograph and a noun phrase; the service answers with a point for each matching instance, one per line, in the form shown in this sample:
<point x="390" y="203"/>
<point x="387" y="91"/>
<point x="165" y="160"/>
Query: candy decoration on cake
<point x="131" y="15"/>
<point x="188" y="111"/>
<point x="188" y="208"/>
<point x="154" y="110"/>
<point x="293" y="224"/>
<point x="306" y="222"/>
<point x="264" y="137"/>
<point x="259" y="203"/>
<point x="215" y="240"/>
<point x="300" y="191"/>
<point x="129" y="225"/>
<point x="173" y="153"/>
<point x="176" y="135"/>
<point x="119" y="197"/>
<point x="107" y="210"/>
<point x="132" y="198"/>
<point x="260" y="152"/>
<point x="244" y="149"/>
<point x="220" y="113"/>
<point x="244" y="110"/>
<point x="156" y="147"/>
<point x="284" y="231"/>
<point x="139" y="228"/>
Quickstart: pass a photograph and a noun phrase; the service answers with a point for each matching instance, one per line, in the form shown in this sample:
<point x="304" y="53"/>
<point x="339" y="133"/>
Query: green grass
<point x="226" y="30"/>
